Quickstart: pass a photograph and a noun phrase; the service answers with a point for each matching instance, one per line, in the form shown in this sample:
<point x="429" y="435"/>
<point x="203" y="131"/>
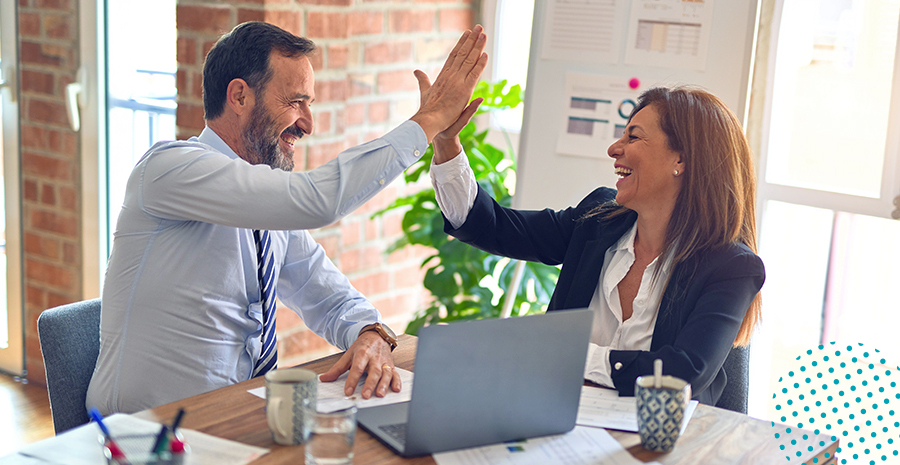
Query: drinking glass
<point x="329" y="436"/>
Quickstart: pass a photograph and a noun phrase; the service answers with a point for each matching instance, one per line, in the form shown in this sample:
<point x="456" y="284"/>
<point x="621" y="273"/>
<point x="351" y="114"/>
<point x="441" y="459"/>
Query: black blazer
<point x="701" y="309"/>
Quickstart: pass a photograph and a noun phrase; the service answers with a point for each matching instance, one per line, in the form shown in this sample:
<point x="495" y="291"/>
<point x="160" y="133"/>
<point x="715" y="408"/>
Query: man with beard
<point x="214" y="227"/>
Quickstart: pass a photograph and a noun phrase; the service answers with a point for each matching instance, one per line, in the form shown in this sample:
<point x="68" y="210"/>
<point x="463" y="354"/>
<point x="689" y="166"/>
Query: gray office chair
<point x="737" y="372"/>
<point x="70" y="343"/>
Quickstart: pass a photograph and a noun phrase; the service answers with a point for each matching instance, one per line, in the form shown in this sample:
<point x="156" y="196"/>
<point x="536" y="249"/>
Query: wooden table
<point x="713" y="436"/>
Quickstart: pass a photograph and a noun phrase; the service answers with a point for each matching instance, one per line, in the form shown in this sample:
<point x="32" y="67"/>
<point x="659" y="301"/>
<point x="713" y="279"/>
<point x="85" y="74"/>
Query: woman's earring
<point x="676" y="172"/>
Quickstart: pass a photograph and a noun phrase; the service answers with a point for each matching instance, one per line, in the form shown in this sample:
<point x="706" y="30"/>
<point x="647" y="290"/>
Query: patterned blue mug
<point x="660" y="411"/>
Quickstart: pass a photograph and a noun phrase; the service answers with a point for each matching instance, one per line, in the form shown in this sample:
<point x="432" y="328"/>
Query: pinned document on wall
<point x="680" y="42"/>
<point x="586" y="31"/>
<point x="596" y="113"/>
<point x="669" y="33"/>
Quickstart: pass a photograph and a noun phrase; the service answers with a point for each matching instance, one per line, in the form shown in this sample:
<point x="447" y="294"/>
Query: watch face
<point x="388" y="330"/>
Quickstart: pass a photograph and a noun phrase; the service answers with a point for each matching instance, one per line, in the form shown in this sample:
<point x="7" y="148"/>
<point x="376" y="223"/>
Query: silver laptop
<point x="488" y="381"/>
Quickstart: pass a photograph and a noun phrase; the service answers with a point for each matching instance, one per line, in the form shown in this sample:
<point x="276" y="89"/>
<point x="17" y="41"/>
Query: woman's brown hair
<point x="717" y="202"/>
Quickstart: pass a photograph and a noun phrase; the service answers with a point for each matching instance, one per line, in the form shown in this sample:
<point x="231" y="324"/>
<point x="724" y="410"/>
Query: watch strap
<point x="384" y="331"/>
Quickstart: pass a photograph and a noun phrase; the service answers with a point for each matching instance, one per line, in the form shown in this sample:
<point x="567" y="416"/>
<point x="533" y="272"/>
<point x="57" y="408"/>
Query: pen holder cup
<point x="136" y="450"/>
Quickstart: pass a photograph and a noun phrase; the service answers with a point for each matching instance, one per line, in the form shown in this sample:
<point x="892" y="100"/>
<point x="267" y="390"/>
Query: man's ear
<point x="239" y="96"/>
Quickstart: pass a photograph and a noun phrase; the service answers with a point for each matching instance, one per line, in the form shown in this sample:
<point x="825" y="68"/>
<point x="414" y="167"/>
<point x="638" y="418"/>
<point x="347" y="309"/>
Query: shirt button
<point x="618" y="365"/>
<point x="381" y="181"/>
<point x="416" y="153"/>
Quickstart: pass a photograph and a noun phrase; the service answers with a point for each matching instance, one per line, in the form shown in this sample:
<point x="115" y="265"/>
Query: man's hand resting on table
<point x="369" y="354"/>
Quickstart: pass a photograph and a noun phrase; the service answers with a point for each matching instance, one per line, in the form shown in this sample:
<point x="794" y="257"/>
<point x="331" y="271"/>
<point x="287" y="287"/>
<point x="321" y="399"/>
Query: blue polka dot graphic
<point x="844" y="392"/>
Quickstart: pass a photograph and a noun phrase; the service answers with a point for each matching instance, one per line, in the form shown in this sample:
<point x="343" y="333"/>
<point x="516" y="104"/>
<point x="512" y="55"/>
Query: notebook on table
<point x="488" y="381"/>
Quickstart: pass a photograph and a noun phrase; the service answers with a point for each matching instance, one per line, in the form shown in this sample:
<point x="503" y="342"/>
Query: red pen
<point x="176" y="446"/>
<point x="114" y="450"/>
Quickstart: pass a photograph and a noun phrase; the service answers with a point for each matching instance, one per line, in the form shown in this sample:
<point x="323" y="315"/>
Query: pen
<point x="114" y="450"/>
<point x="177" y="420"/>
<point x="161" y="440"/>
<point x="176" y="446"/>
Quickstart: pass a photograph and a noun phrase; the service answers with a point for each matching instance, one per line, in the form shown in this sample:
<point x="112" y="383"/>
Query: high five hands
<point x="446" y="101"/>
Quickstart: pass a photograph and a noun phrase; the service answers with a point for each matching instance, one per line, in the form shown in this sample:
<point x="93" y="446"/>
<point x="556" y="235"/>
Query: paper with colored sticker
<point x="581" y="446"/>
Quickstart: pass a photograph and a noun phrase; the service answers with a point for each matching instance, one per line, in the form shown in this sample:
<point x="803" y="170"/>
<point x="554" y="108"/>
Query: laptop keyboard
<point x="396" y="431"/>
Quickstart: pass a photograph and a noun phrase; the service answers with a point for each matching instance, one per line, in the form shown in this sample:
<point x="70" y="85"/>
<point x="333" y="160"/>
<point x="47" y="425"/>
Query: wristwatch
<point x="385" y="332"/>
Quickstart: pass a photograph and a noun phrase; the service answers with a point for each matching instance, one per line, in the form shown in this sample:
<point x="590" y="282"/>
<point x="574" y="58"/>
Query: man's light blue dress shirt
<point x="181" y="301"/>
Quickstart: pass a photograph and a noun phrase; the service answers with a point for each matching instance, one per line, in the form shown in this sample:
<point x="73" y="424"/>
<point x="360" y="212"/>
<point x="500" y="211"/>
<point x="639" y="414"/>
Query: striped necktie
<point x="268" y="355"/>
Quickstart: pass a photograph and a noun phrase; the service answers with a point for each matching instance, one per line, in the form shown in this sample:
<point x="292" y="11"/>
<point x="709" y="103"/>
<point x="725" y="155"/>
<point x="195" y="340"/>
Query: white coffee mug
<point x="285" y="391"/>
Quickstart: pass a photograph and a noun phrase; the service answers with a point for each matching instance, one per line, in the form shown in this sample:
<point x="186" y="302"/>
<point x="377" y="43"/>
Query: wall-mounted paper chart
<point x="581" y="30"/>
<point x="596" y="113"/>
<point x="578" y="114"/>
<point x="669" y="33"/>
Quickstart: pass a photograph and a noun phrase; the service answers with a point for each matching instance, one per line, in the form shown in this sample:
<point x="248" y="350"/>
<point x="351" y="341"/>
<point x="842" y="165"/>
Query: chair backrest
<point x="70" y="343"/>
<point x="737" y="373"/>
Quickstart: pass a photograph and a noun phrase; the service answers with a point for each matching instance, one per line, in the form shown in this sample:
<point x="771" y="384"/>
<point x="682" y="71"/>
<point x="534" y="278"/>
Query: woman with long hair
<point x="667" y="260"/>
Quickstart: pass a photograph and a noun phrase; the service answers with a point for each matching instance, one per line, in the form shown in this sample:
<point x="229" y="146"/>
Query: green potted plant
<point x="467" y="283"/>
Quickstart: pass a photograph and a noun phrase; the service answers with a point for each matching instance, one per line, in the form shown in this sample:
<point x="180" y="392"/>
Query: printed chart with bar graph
<point x="596" y="113"/>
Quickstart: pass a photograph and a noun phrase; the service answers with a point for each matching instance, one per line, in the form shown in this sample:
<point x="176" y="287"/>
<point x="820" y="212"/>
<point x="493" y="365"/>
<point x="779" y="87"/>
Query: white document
<point x="19" y="459"/>
<point x="331" y="395"/>
<point x="584" y="30"/>
<point x="212" y="450"/>
<point x="603" y="408"/>
<point x="577" y="447"/>
<point x="82" y="445"/>
<point x="669" y="33"/>
<point x="596" y="112"/>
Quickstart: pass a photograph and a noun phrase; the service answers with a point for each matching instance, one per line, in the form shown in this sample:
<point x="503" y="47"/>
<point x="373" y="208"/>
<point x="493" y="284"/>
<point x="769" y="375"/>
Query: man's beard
<point x="262" y="146"/>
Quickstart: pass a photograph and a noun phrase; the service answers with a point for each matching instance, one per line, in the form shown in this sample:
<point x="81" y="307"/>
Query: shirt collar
<point x="626" y="242"/>
<point x="210" y="138"/>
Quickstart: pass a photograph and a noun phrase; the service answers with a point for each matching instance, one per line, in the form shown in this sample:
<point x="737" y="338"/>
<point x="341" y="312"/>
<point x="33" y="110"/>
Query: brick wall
<point x="50" y="163"/>
<point x="364" y="88"/>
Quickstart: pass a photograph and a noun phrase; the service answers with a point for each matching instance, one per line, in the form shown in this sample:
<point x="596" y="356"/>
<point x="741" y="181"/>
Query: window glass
<point x="831" y="95"/>
<point x="4" y="318"/>
<point x="141" y="87"/>
<point x="795" y="241"/>
<point x="513" y="40"/>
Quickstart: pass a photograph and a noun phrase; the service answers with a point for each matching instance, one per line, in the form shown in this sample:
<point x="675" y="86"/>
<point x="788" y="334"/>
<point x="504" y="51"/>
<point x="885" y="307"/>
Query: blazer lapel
<point x="668" y="318"/>
<point x="586" y="277"/>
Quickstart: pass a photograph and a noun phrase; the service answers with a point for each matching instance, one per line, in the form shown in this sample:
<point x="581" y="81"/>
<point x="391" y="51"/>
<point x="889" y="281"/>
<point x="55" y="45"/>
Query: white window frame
<point x="91" y="78"/>
<point x="889" y="199"/>
<point x="883" y="207"/>
<point x="12" y="359"/>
